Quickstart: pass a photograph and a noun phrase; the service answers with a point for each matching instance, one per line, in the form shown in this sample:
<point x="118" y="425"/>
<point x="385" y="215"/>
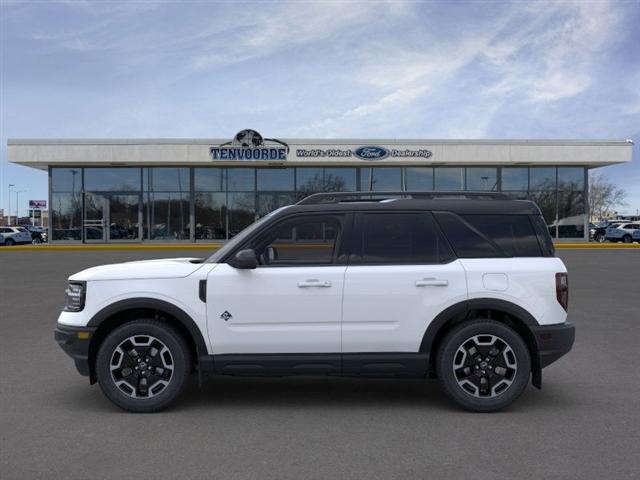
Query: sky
<point x="373" y="69"/>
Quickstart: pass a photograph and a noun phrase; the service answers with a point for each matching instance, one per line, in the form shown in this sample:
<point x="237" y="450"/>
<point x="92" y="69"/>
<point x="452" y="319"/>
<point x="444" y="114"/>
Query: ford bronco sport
<point x="464" y="287"/>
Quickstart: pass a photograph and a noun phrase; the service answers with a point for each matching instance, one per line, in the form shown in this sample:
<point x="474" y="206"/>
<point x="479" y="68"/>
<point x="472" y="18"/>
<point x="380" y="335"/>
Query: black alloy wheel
<point x="483" y="365"/>
<point x="142" y="366"/>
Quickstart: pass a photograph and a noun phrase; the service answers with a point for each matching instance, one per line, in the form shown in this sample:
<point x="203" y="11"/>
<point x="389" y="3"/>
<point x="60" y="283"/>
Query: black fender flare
<point x="459" y="311"/>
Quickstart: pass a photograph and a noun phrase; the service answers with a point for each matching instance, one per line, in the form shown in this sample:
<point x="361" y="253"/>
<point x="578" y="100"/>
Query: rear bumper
<point x="75" y="343"/>
<point x="553" y="341"/>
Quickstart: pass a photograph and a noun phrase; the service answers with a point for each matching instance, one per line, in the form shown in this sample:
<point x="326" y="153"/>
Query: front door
<point x="95" y="217"/>
<point x="292" y="302"/>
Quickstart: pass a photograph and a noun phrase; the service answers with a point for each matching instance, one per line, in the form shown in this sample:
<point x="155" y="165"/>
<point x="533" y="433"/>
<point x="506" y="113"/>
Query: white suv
<point x="15" y="235"/>
<point x="622" y="232"/>
<point x="462" y="287"/>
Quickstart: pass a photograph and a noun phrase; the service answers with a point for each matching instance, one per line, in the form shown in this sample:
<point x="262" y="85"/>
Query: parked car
<point x="15" y="235"/>
<point x="1" y="239"/>
<point x="622" y="232"/>
<point x="465" y="288"/>
<point x="636" y="235"/>
<point x="38" y="234"/>
<point x="599" y="232"/>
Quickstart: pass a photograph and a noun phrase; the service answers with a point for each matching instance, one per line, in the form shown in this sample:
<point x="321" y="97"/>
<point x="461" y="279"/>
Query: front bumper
<point x="553" y="341"/>
<point x="75" y="343"/>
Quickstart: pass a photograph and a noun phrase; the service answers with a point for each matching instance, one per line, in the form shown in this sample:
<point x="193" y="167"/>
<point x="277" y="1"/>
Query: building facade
<point x="202" y="190"/>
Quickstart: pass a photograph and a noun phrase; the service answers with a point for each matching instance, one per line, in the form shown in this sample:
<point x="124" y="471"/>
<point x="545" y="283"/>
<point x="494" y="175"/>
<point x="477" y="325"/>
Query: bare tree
<point x="604" y="196"/>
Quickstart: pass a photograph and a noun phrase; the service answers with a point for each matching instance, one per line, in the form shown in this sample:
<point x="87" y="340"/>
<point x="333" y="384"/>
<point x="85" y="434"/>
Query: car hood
<point x="162" y="268"/>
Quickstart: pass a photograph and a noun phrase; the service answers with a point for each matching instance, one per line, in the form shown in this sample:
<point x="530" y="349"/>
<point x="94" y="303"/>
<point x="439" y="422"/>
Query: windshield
<point x="241" y="237"/>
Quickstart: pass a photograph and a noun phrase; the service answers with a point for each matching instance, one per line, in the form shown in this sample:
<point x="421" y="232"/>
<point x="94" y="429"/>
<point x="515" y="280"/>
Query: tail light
<point x="562" y="290"/>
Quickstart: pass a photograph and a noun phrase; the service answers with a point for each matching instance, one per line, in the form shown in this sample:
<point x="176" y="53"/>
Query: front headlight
<point x="75" y="293"/>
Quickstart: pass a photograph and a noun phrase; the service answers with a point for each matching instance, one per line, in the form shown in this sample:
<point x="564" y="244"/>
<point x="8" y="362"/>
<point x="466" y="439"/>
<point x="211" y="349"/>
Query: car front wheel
<point x="626" y="239"/>
<point x="143" y="366"/>
<point x="599" y="238"/>
<point x="9" y="242"/>
<point x="483" y="365"/>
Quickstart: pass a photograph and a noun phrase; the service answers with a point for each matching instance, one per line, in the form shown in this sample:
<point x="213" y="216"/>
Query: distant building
<point x="194" y="190"/>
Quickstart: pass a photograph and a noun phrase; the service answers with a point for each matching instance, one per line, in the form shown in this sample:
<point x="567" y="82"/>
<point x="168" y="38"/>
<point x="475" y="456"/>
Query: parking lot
<point x="584" y="423"/>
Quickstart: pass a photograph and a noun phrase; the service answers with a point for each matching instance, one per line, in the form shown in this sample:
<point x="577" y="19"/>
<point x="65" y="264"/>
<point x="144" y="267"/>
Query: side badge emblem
<point x="226" y="316"/>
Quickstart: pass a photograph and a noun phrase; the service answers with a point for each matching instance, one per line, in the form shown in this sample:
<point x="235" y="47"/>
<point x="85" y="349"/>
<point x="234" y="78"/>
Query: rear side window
<point x="512" y="233"/>
<point x="467" y="241"/>
<point x="401" y="238"/>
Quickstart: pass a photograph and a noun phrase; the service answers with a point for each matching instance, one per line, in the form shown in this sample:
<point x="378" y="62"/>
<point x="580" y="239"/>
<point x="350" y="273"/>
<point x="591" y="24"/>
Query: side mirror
<point x="246" y="259"/>
<point x="272" y="254"/>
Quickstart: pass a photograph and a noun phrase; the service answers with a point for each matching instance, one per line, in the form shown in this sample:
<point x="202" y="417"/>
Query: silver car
<point x="15" y="235"/>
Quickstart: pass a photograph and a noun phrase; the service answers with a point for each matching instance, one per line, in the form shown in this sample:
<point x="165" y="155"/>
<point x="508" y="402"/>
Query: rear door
<point x="401" y="275"/>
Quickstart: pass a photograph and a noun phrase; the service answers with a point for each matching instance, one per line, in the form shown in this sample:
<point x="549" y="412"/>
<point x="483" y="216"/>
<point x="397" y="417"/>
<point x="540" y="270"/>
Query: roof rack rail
<point x="337" y="197"/>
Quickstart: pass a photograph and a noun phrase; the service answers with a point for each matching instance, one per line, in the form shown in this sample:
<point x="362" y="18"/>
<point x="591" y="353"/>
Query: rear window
<point x="514" y="234"/>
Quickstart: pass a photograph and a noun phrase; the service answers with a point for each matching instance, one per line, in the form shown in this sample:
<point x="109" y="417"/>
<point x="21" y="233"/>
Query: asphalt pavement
<point x="584" y="423"/>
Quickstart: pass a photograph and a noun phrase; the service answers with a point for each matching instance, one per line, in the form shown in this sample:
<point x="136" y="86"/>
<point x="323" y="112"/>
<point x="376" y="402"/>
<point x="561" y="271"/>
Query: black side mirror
<point x="246" y="259"/>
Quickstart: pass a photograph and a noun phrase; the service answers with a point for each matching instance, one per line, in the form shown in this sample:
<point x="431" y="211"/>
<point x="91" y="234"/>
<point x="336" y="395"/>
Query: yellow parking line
<point x="215" y="246"/>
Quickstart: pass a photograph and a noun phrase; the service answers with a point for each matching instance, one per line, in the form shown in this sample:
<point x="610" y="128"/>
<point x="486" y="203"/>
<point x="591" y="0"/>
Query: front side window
<point x="401" y="238"/>
<point x="303" y="240"/>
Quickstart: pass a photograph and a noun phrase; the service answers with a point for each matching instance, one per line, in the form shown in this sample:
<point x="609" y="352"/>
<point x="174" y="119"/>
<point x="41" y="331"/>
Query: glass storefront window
<point x="268" y="202"/>
<point x="571" y="214"/>
<point x="112" y="179"/>
<point x="210" y="216"/>
<point x="449" y="178"/>
<point x="308" y="181"/>
<point x="340" y="180"/>
<point x="209" y="179"/>
<point x="166" y="216"/>
<point x="515" y="178"/>
<point x="241" y="179"/>
<point x="482" y="178"/>
<point x="241" y="211"/>
<point x="379" y="179"/>
<point x="275" y="179"/>
<point x="66" y="216"/>
<point x="166" y="179"/>
<point x="570" y="178"/>
<point x="542" y="178"/>
<point x="546" y="201"/>
<point x="66" y="180"/>
<point x="419" y="179"/>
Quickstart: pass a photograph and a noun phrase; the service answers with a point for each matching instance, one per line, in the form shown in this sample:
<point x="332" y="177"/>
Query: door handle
<point x="312" y="282"/>
<point x="431" y="282"/>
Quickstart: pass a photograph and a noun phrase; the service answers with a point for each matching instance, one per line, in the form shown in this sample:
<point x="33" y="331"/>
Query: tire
<point x="9" y="242"/>
<point x="161" y="352"/>
<point x="626" y="239"/>
<point x="36" y="241"/>
<point x="460" y="373"/>
<point x="599" y="238"/>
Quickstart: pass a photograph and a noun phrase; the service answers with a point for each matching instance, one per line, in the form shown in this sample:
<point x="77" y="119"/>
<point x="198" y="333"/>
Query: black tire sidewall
<point x="9" y="242"/>
<point x="181" y="358"/>
<point x="450" y="345"/>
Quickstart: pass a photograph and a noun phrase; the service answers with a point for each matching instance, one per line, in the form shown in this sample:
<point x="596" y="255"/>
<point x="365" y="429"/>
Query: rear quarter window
<point x="514" y="234"/>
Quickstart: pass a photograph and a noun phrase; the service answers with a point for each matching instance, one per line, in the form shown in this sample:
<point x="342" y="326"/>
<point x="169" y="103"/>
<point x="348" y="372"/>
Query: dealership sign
<point x="366" y="152"/>
<point x="250" y="145"/>
<point x="38" y="204"/>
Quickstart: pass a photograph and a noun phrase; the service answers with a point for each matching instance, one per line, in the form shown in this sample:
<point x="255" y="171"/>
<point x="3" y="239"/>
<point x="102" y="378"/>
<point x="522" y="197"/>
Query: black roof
<point x="456" y="202"/>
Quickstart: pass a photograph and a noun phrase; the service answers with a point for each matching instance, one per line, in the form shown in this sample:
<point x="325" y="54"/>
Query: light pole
<point x="18" y="192"/>
<point x="9" y="212"/>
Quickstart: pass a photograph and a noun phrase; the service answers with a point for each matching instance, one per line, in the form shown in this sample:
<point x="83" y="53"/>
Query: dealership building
<point x="198" y="190"/>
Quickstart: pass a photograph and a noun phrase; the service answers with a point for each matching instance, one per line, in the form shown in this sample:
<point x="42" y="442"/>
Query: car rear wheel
<point x="9" y="242"/>
<point x="626" y="239"/>
<point x="143" y="366"/>
<point x="36" y="241"/>
<point x="483" y="365"/>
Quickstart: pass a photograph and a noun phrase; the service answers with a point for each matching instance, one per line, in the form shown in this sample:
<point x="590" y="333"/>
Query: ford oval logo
<point x="371" y="153"/>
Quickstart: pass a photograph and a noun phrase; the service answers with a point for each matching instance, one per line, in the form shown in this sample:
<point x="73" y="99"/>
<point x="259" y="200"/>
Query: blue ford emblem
<point x="371" y="153"/>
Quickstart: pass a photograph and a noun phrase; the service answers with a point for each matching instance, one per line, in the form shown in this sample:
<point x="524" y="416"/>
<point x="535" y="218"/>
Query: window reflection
<point x="241" y="179"/>
<point x="112" y="179"/>
<point x="241" y="211"/>
<point x="275" y="179"/>
<point x="210" y="216"/>
<point x="381" y="179"/>
<point x="570" y="178"/>
<point x="571" y="214"/>
<point x="167" y="216"/>
<point x="485" y="179"/>
<point x="515" y="178"/>
<point x="209" y="179"/>
<point x="340" y="180"/>
<point x="448" y="178"/>
<point x="166" y="179"/>
<point x="66" y="180"/>
<point x="419" y="179"/>
<point x="542" y="178"/>
<point x="66" y="216"/>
